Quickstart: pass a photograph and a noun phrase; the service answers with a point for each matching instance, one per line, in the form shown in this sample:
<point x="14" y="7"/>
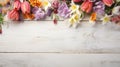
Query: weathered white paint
<point x="59" y="60"/>
<point x="44" y="36"/>
<point x="43" y="44"/>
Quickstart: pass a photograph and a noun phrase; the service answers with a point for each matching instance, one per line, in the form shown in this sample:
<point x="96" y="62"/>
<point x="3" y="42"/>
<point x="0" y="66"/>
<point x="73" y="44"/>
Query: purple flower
<point x="99" y="8"/>
<point x="39" y="13"/>
<point x="63" y="10"/>
<point x="35" y="9"/>
<point x="49" y="11"/>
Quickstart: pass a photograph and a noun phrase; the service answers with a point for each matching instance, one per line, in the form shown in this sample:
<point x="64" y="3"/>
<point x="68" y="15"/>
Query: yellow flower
<point x="74" y="7"/>
<point x="46" y="4"/>
<point x="105" y="19"/>
<point x="74" y="19"/>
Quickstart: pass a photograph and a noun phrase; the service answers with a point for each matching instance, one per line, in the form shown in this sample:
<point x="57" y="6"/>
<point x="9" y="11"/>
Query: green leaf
<point x="57" y="17"/>
<point x="108" y="9"/>
<point x="0" y="5"/>
<point x="1" y="18"/>
<point x="118" y="1"/>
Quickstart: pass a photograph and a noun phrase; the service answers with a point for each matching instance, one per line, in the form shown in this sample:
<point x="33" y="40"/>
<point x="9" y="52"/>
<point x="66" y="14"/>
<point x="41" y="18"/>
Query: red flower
<point x="115" y="19"/>
<point x="55" y="21"/>
<point x="87" y="6"/>
<point x="76" y="1"/>
<point x="0" y="31"/>
<point x="13" y="15"/>
<point x="55" y="11"/>
<point x="108" y="2"/>
<point x="55" y="4"/>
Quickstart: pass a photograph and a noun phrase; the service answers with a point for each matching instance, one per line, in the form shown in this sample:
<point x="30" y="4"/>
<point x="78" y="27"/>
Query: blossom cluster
<point x="73" y="10"/>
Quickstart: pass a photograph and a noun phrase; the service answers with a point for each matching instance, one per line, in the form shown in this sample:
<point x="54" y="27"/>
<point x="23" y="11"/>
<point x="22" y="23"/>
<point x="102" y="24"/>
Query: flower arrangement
<point x="73" y="10"/>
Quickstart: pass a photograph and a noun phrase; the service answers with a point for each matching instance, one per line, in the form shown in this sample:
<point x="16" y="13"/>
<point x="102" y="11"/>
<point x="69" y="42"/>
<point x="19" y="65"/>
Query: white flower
<point x="105" y="19"/>
<point x="116" y="10"/>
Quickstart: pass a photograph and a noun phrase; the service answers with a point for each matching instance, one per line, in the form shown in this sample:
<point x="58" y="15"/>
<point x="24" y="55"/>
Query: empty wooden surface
<point x="59" y="60"/>
<point x="43" y="44"/>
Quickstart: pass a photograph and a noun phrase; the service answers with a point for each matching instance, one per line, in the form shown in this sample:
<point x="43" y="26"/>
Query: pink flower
<point x="25" y="7"/>
<point x="76" y="0"/>
<point x="115" y="18"/>
<point x="87" y="6"/>
<point x="17" y="4"/>
<point x="108" y="2"/>
<point x="0" y="29"/>
<point x="13" y="15"/>
<point x="55" y="4"/>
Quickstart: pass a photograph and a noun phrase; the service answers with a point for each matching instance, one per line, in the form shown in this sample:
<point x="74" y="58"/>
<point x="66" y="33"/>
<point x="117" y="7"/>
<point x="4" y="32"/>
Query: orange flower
<point x="4" y="2"/>
<point x="28" y="16"/>
<point x="37" y="3"/>
<point x="93" y="17"/>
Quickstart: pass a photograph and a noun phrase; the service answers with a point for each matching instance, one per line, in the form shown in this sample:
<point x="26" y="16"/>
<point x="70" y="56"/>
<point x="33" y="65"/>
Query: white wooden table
<point x="43" y="44"/>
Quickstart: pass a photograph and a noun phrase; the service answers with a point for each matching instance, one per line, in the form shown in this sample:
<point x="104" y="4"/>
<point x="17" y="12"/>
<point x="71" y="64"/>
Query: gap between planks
<point x="66" y="52"/>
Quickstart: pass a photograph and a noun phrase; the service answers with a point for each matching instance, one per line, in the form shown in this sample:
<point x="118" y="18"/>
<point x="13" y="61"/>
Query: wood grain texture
<point x="59" y="60"/>
<point x="43" y="44"/>
<point x="44" y="36"/>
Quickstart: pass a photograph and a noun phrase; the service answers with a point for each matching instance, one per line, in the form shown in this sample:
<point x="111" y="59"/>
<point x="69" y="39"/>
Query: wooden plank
<point x="44" y="36"/>
<point x="59" y="60"/>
